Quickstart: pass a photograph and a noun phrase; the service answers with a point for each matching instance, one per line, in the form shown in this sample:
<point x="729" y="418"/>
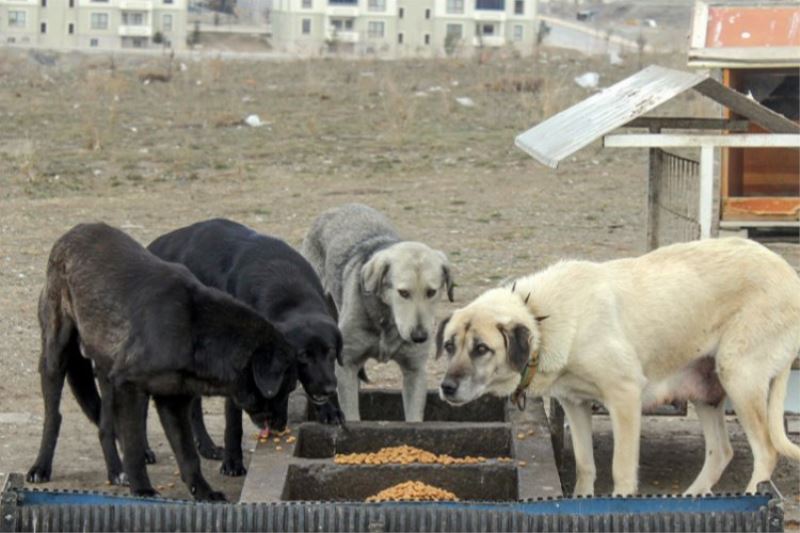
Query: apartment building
<point x="403" y="28"/>
<point x="106" y="24"/>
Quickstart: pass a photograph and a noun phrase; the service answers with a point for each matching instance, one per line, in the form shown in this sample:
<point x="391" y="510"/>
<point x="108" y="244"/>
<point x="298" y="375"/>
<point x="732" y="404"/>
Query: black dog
<point x="147" y="326"/>
<point x="275" y="280"/>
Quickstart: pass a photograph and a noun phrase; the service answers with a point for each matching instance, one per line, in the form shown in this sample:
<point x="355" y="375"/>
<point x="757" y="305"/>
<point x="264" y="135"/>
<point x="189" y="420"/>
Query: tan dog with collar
<point x="696" y="321"/>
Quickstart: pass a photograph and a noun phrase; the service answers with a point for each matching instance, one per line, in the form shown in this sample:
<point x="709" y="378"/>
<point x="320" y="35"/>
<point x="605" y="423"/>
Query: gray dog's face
<point x="410" y="278"/>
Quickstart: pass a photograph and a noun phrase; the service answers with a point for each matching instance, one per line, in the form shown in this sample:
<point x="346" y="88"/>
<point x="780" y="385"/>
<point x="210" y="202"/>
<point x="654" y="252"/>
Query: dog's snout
<point x="419" y="335"/>
<point x="449" y="387"/>
<point x="329" y="389"/>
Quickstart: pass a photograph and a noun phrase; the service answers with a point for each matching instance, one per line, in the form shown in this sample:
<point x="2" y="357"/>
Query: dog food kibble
<point x="413" y="490"/>
<point x="290" y="439"/>
<point x="403" y="455"/>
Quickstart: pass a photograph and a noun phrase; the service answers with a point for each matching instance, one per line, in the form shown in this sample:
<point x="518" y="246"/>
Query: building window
<point x="427" y="13"/>
<point x="519" y="7"/>
<point x="93" y="43"/>
<point x="16" y="19"/>
<point x="133" y="19"/>
<point x="307" y="4"/>
<point x="399" y="38"/>
<point x="427" y="38"/>
<point x="343" y="2"/>
<point x="455" y="6"/>
<point x="454" y="31"/>
<point x="44" y="4"/>
<point x="491" y="5"/>
<point x="43" y="27"/>
<point x="306" y="26"/>
<point x="342" y="24"/>
<point x="485" y="29"/>
<point x="166" y="22"/>
<point x="519" y="32"/>
<point x="375" y="29"/>
<point x="168" y="2"/>
<point x="71" y="28"/>
<point x="377" y="5"/>
<point x="71" y="3"/>
<point x="99" y="21"/>
<point x="400" y="12"/>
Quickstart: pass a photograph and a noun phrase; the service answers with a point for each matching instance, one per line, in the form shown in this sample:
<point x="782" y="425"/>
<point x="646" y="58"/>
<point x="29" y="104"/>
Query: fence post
<point x="656" y="161"/>
<point x="706" y="190"/>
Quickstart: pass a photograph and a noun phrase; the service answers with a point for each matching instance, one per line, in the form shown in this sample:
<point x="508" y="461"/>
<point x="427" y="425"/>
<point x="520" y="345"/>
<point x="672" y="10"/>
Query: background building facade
<point x="403" y="28"/>
<point x="107" y="24"/>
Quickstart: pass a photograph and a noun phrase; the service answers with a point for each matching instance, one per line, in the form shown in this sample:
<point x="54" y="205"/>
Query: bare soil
<point x="83" y="139"/>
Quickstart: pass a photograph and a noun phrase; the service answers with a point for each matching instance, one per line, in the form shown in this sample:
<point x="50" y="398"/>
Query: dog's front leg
<point x="130" y="426"/>
<point x="174" y="412"/>
<point x="624" y="404"/>
<point x="233" y="462"/>
<point x="205" y="445"/>
<point x="415" y="379"/>
<point x="347" y="389"/>
<point x="579" y="416"/>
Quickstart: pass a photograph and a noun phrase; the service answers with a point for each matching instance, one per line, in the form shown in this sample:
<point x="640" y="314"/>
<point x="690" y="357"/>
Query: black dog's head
<point x="263" y="389"/>
<point x="318" y="345"/>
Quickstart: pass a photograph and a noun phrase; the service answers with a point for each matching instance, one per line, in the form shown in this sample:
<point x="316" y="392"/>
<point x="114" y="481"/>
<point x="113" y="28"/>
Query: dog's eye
<point x="481" y="349"/>
<point x="404" y="293"/>
<point x="430" y="293"/>
<point x="449" y="347"/>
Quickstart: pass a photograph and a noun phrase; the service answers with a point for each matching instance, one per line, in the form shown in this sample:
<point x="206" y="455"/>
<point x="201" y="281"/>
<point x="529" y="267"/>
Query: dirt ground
<point x="85" y="139"/>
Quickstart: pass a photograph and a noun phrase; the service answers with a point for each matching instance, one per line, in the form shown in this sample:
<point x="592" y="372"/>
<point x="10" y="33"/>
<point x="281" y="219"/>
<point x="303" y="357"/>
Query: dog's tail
<point x="362" y="375"/>
<point x="80" y="376"/>
<point x="777" y="433"/>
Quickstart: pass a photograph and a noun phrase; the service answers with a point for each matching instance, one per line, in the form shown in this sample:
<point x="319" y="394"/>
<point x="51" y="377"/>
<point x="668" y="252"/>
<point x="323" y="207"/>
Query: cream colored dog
<point x="697" y="321"/>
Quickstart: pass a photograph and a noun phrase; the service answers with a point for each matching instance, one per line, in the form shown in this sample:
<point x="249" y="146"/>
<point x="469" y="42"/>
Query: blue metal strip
<point x="571" y="506"/>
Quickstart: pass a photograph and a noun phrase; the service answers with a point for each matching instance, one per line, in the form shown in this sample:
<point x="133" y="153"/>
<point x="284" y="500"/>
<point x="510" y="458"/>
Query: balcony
<point x="135" y="31"/>
<point x="342" y="36"/>
<point x="136" y="5"/>
<point x="489" y="40"/>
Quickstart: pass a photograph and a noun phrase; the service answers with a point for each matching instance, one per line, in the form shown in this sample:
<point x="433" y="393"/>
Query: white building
<point x="107" y="24"/>
<point x="403" y="28"/>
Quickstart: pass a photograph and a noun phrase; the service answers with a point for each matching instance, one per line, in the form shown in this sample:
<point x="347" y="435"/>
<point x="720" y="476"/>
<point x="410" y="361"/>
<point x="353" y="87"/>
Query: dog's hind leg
<point x="749" y="398"/>
<point x="108" y="441"/>
<point x="59" y="347"/>
<point x="174" y="414"/>
<point x="205" y="445"/>
<point x="718" y="447"/>
<point x="579" y="416"/>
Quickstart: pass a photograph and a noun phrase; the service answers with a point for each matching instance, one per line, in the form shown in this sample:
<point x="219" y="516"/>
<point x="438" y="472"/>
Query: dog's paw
<point x="149" y="457"/>
<point x="330" y="414"/>
<point x="120" y="479"/>
<point x="38" y="474"/>
<point x="208" y="495"/>
<point x="145" y="493"/>
<point x="232" y="468"/>
<point x="214" y="453"/>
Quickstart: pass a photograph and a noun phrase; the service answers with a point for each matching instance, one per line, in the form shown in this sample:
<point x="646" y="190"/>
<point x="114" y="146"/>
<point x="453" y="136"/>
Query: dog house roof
<point x="565" y="133"/>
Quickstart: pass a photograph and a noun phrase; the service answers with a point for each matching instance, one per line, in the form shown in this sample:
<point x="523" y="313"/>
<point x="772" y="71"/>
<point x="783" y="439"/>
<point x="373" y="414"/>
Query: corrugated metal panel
<point x="567" y="132"/>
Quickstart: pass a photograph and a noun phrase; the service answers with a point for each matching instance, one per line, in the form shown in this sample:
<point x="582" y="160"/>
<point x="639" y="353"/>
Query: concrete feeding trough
<point x="490" y="427"/>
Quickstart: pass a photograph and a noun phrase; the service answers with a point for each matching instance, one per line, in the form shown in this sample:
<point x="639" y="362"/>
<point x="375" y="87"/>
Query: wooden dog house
<point x="754" y="48"/>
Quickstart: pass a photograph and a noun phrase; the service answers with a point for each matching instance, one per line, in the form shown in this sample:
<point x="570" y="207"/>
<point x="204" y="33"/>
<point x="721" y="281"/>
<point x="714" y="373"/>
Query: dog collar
<point x="518" y="397"/>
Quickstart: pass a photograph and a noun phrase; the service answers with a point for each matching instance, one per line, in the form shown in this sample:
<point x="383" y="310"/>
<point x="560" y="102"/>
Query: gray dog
<point x="386" y="290"/>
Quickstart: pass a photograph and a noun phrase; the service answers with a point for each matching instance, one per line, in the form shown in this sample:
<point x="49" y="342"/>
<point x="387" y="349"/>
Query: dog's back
<point x="341" y="234"/>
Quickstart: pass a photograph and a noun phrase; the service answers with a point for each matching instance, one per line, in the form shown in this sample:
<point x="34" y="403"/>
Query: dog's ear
<point x="332" y="309"/>
<point x="447" y="275"/>
<point x="440" y="336"/>
<point x="518" y="345"/>
<point x="270" y="363"/>
<point x="374" y="272"/>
